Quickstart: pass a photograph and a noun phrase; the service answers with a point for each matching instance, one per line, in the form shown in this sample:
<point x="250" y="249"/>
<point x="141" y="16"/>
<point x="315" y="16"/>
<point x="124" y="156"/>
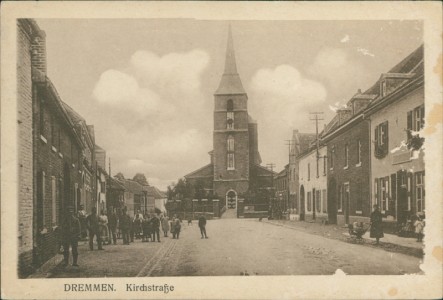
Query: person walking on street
<point x="202" y="226"/>
<point x="419" y="226"/>
<point x="376" y="224"/>
<point x="94" y="229"/>
<point x="155" y="228"/>
<point x="71" y="231"/>
<point x="165" y="225"/>
<point x="136" y="228"/>
<point x="146" y="224"/>
<point x="112" y="222"/>
<point x="125" y="226"/>
<point x="81" y="214"/>
<point x="177" y="228"/>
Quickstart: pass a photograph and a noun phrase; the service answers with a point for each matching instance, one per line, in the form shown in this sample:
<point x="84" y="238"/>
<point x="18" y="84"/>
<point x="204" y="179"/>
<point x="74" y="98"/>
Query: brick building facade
<point x="397" y="157"/>
<point x="235" y="161"/>
<point x="27" y="33"/>
<point x="52" y="153"/>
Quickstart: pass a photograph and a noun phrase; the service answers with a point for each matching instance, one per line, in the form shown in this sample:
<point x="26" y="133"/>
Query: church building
<point x="234" y="169"/>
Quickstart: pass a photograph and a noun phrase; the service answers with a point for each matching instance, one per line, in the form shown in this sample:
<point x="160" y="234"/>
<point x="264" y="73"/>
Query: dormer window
<point x="383" y="88"/>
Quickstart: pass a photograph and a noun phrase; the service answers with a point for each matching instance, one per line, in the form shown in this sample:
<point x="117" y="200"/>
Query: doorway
<point x="332" y="202"/>
<point x="302" y="203"/>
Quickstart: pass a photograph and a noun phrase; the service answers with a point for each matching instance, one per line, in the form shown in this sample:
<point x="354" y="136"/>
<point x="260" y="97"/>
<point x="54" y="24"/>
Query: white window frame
<point x="409" y="189"/>
<point x="340" y="199"/>
<point x="358" y="153"/>
<point x="346" y="157"/>
<point x="419" y="196"/>
<point x="384" y="193"/>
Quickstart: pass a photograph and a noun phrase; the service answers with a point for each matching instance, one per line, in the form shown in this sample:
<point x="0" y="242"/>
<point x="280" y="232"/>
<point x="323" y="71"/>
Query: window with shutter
<point x="409" y="124"/>
<point x="386" y="138"/>
<point x="422" y="117"/>
<point x="376" y="191"/>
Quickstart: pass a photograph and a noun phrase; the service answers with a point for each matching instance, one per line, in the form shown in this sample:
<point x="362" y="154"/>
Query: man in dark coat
<point x="202" y="226"/>
<point x="71" y="231"/>
<point x="94" y="229"/>
<point x="125" y="226"/>
<point x="112" y="223"/>
<point x="376" y="224"/>
<point x="155" y="221"/>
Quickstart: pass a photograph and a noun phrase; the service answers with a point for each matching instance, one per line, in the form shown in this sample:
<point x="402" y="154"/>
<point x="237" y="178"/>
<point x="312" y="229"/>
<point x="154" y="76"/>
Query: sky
<point x="147" y="85"/>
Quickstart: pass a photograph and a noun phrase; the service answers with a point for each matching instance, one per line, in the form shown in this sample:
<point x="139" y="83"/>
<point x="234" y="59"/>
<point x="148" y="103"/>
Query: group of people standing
<point x="106" y="228"/>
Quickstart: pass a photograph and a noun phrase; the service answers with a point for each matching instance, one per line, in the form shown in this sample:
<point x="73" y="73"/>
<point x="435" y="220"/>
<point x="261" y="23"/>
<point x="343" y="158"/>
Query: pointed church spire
<point x="230" y="64"/>
<point x="230" y="82"/>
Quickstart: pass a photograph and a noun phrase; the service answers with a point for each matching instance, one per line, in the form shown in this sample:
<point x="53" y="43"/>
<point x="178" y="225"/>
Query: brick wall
<point x="358" y="176"/>
<point x="57" y="173"/>
<point x="25" y="155"/>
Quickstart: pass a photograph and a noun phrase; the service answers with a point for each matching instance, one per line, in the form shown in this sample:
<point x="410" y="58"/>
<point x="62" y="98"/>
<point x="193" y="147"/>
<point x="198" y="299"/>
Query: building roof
<point x="230" y="82"/>
<point x="154" y="192"/>
<point x="410" y="67"/>
<point x="206" y="171"/>
<point x="79" y="121"/>
<point x="115" y="184"/>
<point x="133" y="186"/>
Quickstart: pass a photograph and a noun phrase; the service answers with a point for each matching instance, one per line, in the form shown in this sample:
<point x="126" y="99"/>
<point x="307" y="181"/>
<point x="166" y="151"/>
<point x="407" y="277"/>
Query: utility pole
<point x="290" y="144"/>
<point x="271" y="167"/>
<point x="316" y="116"/>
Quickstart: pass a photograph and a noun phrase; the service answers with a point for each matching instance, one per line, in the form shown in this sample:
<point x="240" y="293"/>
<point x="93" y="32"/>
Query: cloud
<point x="365" y="52"/>
<point x="337" y="67"/>
<point x="280" y="100"/>
<point x="285" y="91"/>
<point x="345" y="39"/>
<point x="149" y="127"/>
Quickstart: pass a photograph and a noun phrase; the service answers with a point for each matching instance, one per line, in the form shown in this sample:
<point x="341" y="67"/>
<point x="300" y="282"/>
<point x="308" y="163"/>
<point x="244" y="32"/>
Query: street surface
<point x="236" y="247"/>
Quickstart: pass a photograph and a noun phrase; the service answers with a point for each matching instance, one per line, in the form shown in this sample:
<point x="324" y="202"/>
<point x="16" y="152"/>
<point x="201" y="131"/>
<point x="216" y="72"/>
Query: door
<point x="314" y="198"/>
<point x="302" y="203"/>
<point x="231" y="200"/>
<point x="402" y="197"/>
<point x="332" y="202"/>
<point x="346" y="195"/>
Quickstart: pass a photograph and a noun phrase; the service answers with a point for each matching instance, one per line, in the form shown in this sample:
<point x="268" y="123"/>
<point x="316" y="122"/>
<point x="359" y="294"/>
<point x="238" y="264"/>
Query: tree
<point x="140" y="178"/>
<point x="119" y="176"/>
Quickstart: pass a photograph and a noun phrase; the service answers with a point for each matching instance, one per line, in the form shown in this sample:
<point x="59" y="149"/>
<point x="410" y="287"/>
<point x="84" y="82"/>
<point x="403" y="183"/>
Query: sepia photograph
<point x="197" y="147"/>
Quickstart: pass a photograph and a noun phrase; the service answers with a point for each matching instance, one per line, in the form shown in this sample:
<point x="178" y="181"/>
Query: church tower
<point x="231" y="133"/>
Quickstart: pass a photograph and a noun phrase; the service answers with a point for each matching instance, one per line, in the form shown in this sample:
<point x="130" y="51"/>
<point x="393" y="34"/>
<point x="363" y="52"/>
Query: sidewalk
<point x="389" y="242"/>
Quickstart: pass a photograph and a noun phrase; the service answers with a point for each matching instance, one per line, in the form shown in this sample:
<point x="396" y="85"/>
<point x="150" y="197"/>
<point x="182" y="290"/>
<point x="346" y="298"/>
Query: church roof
<point x="230" y="82"/>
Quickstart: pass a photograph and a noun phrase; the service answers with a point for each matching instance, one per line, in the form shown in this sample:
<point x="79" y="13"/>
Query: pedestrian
<point x="125" y="226"/>
<point x="419" y="226"/>
<point x="71" y="231"/>
<point x="146" y="224"/>
<point x="165" y="225"/>
<point x="104" y="231"/>
<point x="155" y="223"/>
<point x="81" y="214"/>
<point x="112" y="223"/>
<point x="202" y="226"/>
<point x="376" y="224"/>
<point x="177" y="227"/>
<point x="94" y="229"/>
<point x="137" y="225"/>
<point x="190" y="221"/>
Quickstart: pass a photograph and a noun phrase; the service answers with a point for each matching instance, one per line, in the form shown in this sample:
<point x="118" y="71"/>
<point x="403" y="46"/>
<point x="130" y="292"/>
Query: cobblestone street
<point x="236" y="247"/>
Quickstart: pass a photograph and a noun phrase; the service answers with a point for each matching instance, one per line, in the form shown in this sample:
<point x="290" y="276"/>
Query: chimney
<point x="38" y="53"/>
<point x="344" y="114"/>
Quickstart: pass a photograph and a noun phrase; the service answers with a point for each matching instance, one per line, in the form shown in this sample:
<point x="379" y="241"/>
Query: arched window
<point x="230" y="114"/>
